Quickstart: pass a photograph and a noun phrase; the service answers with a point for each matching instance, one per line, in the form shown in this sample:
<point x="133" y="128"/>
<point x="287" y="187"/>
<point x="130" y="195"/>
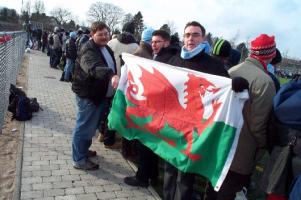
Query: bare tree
<point x="39" y="7"/>
<point x="27" y="7"/>
<point x="61" y="15"/>
<point x="127" y="18"/>
<point x="106" y="12"/>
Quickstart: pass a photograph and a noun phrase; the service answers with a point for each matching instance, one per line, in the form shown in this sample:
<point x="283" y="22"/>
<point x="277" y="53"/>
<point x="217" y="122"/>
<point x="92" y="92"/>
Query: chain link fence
<point x="12" y="48"/>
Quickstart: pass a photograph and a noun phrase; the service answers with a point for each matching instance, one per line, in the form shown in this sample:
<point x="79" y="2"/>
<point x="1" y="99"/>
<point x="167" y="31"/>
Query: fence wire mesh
<point x="12" y="48"/>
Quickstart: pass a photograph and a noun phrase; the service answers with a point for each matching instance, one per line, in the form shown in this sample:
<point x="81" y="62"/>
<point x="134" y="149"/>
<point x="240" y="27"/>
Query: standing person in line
<point x="256" y="112"/>
<point x="94" y="82"/>
<point x="71" y="55"/>
<point x="144" y="50"/>
<point x="56" y="48"/>
<point x="148" y="161"/>
<point x="123" y="43"/>
<point x="179" y="185"/>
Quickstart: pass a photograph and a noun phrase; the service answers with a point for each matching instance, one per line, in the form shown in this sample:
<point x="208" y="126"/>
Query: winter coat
<point x="57" y="43"/>
<point x="92" y="74"/>
<point x="144" y="50"/>
<point x="256" y="113"/>
<point x="202" y="62"/>
<point x="165" y="54"/>
<point x="123" y="43"/>
<point x="71" y="52"/>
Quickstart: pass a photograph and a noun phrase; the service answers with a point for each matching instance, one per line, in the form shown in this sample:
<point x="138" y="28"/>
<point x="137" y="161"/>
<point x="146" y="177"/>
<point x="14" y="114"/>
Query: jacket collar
<point x="257" y="63"/>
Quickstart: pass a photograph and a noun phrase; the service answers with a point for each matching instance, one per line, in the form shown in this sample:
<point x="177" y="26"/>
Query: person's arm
<point x="93" y="65"/>
<point x="262" y="93"/>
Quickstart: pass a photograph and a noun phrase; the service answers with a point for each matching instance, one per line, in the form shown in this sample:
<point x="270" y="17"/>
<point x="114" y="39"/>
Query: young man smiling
<point x="193" y="55"/>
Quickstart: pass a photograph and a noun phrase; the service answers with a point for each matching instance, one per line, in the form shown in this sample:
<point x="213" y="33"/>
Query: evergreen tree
<point x="166" y="28"/>
<point x="127" y="18"/>
<point x="139" y="26"/>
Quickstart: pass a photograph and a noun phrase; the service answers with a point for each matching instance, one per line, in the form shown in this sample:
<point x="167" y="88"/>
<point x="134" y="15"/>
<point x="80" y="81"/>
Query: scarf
<point x="185" y="54"/>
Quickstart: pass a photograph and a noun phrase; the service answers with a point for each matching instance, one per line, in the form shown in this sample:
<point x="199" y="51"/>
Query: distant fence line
<point x="12" y="48"/>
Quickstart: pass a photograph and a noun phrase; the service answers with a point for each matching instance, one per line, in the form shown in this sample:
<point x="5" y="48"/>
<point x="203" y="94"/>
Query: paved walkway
<point x="47" y="171"/>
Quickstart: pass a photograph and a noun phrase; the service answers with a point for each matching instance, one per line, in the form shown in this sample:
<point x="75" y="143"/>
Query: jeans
<point x="68" y="69"/>
<point x="87" y="121"/>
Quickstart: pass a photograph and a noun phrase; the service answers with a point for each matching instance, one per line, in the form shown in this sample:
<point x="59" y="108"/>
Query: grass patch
<point x="283" y="80"/>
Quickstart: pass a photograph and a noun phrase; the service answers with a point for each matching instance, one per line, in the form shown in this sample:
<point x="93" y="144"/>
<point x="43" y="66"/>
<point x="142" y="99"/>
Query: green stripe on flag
<point x="213" y="145"/>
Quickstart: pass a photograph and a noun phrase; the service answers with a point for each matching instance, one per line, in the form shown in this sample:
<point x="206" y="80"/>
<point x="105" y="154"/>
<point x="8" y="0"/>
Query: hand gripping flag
<point x="190" y="119"/>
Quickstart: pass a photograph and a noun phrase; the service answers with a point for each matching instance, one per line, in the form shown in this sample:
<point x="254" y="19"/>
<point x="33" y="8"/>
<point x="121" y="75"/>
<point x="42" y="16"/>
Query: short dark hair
<point x="277" y="59"/>
<point x="195" y="23"/>
<point x="97" y="26"/>
<point x="162" y="33"/>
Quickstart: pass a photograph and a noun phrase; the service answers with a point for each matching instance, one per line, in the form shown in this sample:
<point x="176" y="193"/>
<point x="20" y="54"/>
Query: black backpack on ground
<point x="20" y="105"/>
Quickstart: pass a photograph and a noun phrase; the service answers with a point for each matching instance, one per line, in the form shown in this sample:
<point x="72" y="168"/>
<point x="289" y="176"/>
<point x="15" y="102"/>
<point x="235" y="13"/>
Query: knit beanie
<point x="146" y="35"/>
<point x="234" y="57"/>
<point x="222" y="48"/>
<point x="263" y="47"/>
<point x="129" y="27"/>
<point x="73" y="35"/>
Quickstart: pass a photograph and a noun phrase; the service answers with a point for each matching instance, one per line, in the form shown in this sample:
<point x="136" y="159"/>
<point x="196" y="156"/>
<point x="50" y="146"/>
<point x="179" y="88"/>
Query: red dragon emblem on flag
<point x="162" y="103"/>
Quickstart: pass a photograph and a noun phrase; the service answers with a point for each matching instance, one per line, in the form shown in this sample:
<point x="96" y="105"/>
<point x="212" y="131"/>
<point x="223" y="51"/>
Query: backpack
<point x="34" y="105"/>
<point x="19" y="104"/>
<point x="51" y="41"/>
<point x="20" y="107"/>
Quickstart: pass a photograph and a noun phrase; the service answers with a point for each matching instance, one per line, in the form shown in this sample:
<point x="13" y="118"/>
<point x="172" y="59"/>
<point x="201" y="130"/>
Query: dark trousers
<point x="177" y="185"/>
<point x="147" y="164"/>
<point x="232" y="184"/>
<point x="108" y="135"/>
<point x="55" y="57"/>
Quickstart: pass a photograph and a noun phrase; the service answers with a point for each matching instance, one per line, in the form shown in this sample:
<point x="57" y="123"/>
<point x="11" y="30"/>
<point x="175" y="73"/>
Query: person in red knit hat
<point x="256" y="113"/>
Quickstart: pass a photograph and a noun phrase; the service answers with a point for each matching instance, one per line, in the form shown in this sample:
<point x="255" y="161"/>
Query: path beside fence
<point x="47" y="171"/>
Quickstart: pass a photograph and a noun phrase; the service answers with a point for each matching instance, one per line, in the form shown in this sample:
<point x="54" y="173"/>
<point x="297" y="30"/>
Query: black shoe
<point x="133" y="181"/>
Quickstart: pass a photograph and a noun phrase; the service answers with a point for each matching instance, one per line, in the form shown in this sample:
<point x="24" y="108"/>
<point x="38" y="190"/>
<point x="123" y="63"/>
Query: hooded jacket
<point x="125" y="42"/>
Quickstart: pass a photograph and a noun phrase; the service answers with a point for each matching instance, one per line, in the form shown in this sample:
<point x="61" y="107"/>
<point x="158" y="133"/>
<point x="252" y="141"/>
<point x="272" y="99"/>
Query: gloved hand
<point x="239" y="84"/>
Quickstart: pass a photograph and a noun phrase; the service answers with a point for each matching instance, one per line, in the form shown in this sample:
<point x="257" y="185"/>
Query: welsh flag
<point x="190" y="119"/>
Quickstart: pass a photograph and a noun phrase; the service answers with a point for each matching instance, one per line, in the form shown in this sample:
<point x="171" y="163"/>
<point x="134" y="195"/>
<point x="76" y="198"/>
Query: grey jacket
<point x="256" y="113"/>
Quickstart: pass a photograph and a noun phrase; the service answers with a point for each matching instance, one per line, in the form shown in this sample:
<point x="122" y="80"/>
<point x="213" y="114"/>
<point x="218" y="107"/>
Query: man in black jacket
<point x="94" y="82"/>
<point x="177" y="184"/>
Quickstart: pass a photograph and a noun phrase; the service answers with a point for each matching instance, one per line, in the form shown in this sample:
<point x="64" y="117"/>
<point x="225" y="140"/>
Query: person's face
<point x="192" y="37"/>
<point x="158" y="43"/>
<point x="101" y="37"/>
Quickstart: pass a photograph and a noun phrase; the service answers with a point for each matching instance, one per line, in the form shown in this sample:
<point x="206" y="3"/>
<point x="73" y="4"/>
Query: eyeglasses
<point x="156" y="42"/>
<point x="103" y="34"/>
<point x="194" y="35"/>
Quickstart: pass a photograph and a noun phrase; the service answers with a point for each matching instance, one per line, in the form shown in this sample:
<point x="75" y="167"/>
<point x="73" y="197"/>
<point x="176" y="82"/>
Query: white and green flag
<point x="188" y="118"/>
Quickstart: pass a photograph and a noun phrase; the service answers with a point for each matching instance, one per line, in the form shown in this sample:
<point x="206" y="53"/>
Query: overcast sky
<point x="243" y="19"/>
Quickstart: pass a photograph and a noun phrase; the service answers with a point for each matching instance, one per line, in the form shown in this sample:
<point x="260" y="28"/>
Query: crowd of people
<point x="93" y="65"/>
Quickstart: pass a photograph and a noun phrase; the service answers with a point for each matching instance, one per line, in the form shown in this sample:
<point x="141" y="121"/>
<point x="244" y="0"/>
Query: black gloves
<point x="239" y="84"/>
